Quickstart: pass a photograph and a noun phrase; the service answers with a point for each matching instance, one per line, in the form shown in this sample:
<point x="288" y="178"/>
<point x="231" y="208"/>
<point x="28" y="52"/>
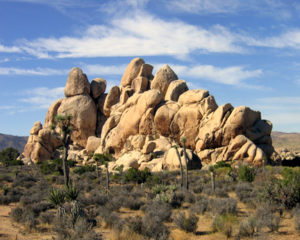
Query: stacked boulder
<point x="140" y="120"/>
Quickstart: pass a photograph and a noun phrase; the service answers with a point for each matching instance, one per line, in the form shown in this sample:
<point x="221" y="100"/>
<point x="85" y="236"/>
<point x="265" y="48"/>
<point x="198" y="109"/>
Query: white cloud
<point x="98" y="69"/>
<point x="5" y="49"/>
<point x="288" y="39"/>
<point x="37" y="71"/>
<point x="278" y="9"/>
<point x="141" y="35"/>
<point x="41" y="98"/>
<point x="58" y="4"/>
<point x="234" y="75"/>
<point x="204" y="6"/>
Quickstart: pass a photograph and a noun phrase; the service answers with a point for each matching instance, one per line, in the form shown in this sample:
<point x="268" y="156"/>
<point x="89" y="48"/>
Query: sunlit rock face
<point x="139" y="121"/>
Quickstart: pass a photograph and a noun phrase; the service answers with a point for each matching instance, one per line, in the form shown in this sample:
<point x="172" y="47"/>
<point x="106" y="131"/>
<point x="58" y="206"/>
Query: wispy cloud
<point x="278" y="9"/>
<point x="98" y="69"/>
<point x="37" y="71"/>
<point x="41" y="98"/>
<point x="234" y="75"/>
<point x="288" y="39"/>
<point x="203" y="6"/>
<point x="141" y="35"/>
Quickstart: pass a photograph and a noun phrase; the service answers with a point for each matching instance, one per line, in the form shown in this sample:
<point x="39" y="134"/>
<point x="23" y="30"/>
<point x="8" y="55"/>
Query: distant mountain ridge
<point x="12" y="141"/>
<point x="290" y="141"/>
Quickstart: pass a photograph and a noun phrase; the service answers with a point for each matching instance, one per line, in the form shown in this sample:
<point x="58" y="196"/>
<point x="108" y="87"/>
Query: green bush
<point x="138" y="176"/>
<point x="83" y="169"/>
<point x="222" y="164"/>
<point x="54" y="166"/>
<point x="8" y="157"/>
<point x="246" y="173"/>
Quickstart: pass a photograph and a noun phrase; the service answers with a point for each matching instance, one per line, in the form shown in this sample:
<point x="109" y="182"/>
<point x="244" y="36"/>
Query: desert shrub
<point x="47" y="217"/>
<point x="176" y="199"/>
<point x="31" y="197"/>
<point x="135" y="224"/>
<point x="246" y="173"/>
<point x="201" y="205"/>
<point x="157" y="209"/>
<point x="25" y="216"/>
<point x="154" y="228"/>
<point x="188" y="196"/>
<point x="39" y="207"/>
<point x="266" y="217"/>
<point x="83" y="169"/>
<point x="110" y="219"/>
<point x="247" y="227"/>
<point x="197" y="188"/>
<point x="17" y="214"/>
<point x="185" y="222"/>
<point x="68" y="229"/>
<point x="24" y="180"/>
<point x="93" y="198"/>
<point x="246" y="193"/>
<point x="133" y="203"/>
<point x="220" y="206"/>
<point x="283" y="192"/>
<point x="296" y="214"/>
<point x="224" y="224"/>
<point x="12" y="195"/>
<point x="5" y="178"/>
<point x="221" y="192"/>
<point x="137" y="176"/>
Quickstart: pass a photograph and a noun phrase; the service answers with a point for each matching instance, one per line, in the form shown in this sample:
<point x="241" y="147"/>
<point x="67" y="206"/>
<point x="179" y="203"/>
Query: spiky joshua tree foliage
<point x="64" y="123"/>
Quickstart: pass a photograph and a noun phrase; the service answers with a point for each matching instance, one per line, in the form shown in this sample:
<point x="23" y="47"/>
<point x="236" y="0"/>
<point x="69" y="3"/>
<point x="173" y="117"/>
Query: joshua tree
<point x="64" y="123"/>
<point x="183" y="139"/>
<point x="180" y="163"/>
<point x="104" y="159"/>
<point x="212" y="175"/>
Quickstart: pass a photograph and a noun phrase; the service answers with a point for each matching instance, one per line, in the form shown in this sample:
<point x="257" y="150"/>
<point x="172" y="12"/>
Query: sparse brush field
<point x="245" y="203"/>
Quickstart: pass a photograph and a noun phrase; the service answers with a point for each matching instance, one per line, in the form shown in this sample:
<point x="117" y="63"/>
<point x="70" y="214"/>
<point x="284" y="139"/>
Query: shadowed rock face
<point x="140" y="120"/>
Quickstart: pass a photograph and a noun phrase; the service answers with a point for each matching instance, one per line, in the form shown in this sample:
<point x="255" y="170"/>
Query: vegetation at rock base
<point x="8" y="157"/>
<point x="152" y="205"/>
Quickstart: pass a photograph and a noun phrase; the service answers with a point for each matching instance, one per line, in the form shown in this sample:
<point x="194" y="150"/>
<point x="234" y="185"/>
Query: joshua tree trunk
<point x="186" y="167"/>
<point x="107" y="179"/>
<point x="212" y="175"/>
<point x="97" y="171"/>
<point x="66" y="141"/>
<point x="181" y="168"/>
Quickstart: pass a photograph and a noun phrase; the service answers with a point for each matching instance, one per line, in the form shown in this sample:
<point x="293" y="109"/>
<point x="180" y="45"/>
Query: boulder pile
<point x="140" y="122"/>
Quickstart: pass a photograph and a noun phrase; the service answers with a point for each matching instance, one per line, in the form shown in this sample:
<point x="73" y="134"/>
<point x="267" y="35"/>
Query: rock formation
<point x="140" y="120"/>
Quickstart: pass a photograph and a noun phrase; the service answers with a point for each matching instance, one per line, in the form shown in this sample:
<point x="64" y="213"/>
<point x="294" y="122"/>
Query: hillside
<point x="290" y="141"/>
<point x="12" y="141"/>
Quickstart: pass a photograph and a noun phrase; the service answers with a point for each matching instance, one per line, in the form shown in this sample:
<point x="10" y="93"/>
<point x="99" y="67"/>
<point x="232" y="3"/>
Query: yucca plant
<point x="56" y="197"/>
<point x="71" y="193"/>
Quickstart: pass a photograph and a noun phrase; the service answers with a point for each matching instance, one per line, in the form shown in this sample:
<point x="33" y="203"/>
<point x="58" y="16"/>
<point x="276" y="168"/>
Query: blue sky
<point x="243" y="52"/>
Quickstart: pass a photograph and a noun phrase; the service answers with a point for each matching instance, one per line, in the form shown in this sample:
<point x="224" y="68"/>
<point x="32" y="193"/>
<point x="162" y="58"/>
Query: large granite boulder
<point x="77" y="83"/>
